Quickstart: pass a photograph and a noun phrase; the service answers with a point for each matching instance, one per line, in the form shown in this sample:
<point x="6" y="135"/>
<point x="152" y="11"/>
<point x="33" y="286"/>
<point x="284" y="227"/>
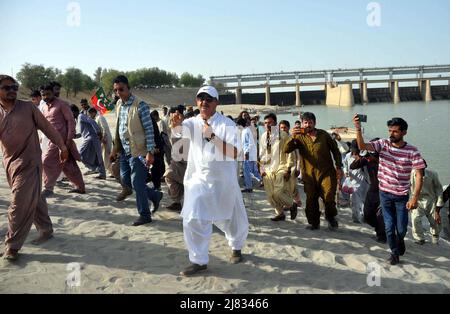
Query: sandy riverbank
<point x="94" y="231"/>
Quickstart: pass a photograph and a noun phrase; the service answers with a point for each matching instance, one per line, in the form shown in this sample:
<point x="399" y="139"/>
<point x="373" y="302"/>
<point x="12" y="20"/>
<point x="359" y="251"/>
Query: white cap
<point x="210" y="90"/>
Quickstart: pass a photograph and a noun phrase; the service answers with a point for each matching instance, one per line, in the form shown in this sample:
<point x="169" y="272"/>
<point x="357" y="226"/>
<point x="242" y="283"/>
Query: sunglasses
<point x="206" y="98"/>
<point x="8" y="88"/>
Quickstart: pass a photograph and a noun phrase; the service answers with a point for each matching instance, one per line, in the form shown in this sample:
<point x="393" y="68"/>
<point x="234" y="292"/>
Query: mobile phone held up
<point x="362" y="117"/>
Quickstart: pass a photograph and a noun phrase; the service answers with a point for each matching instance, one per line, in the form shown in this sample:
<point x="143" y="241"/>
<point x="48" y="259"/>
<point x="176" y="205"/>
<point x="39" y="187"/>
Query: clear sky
<point x="219" y="37"/>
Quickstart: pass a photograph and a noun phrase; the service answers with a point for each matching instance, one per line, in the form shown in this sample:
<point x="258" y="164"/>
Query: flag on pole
<point x="100" y="102"/>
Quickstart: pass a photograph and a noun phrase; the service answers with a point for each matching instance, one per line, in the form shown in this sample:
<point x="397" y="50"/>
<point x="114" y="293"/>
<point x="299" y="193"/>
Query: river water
<point x="429" y="126"/>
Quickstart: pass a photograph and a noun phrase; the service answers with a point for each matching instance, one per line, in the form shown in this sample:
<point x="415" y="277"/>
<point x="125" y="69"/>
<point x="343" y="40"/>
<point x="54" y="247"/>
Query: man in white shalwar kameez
<point x="212" y="193"/>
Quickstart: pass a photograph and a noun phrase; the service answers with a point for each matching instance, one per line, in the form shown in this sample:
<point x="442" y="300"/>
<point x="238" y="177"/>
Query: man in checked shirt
<point x="135" y="143"/>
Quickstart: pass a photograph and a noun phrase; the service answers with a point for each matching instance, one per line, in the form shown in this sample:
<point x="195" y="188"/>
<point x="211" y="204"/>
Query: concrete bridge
<point x="338" y="85"/>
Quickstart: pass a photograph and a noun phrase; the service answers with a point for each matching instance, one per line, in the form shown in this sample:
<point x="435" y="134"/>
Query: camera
<point x="362" y="117"/>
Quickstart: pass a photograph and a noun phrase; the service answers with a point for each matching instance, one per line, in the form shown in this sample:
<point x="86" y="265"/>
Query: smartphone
<point x="362" y="117"/>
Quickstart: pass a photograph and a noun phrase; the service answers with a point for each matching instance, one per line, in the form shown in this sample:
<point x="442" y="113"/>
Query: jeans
<point x="395" y="217"/>
<point x="133" y="174"/>
<point x="250" y="168"/>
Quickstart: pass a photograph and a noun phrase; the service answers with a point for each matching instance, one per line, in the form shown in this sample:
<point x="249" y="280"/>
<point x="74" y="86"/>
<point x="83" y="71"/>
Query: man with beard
<point x="397" y="160"/>
<point x="276" y="168"/>
<point x="319" y="174"/>
<point x="58" y="113"/>
<point x="19" y="142"/>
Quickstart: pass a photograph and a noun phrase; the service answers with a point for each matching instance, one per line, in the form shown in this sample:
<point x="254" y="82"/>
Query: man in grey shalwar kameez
<point x="91" y="148"/>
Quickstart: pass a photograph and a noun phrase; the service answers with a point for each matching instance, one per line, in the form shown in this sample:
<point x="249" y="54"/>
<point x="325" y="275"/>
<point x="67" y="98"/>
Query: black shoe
<point x="141" y="221"/>
<point x="158" y="200"/>
<point x="294" y="211"/>
<point x="236" y="257"/>
<point x="100" y="177"/>
<point x="175" y="207"/>
<point x="381" y="240"/>
<point x="193" y="269"/>
<point x="77" y="191"/>
<point x="401" y="247"/>
<point x="313" y="227"/>
<point x="419" y="242"/>
<point x="394" y="259"/>
<point x="281" y="217"/>
<point x="333" y="224"/>
<point x="247" y="190"/>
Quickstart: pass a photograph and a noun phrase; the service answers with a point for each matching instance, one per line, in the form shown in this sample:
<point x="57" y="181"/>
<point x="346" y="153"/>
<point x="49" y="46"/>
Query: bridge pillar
<point x="395" y="92"/>
<point x="298" y="101"/>
<point x="428" y="96"/>
<point x="268" y="95"/>
<point x="425" y="90"/>
<point x="238" y="96"/>
<point x="339" y="95"/>
<point x="363" y="92"/>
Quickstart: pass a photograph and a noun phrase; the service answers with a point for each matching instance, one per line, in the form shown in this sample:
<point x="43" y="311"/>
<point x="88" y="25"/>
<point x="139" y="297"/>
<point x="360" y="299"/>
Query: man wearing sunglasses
<point x="19" y="142"/>
<point x="212" y="193"/>
<point x="135" y="143"/>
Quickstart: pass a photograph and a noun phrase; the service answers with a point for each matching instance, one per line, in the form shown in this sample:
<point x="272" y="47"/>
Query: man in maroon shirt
<point x="397" y="160"/>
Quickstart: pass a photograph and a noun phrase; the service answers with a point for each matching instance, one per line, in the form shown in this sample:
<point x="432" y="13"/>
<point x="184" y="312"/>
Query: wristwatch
<point x="211" y="138"/>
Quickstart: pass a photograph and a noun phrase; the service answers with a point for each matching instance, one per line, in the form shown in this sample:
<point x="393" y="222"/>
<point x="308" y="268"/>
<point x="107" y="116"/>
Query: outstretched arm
<point x="359" y="138"/>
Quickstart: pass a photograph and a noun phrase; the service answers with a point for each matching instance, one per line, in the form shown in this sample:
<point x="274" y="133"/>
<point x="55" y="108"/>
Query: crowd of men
<point x="199" y="154"/>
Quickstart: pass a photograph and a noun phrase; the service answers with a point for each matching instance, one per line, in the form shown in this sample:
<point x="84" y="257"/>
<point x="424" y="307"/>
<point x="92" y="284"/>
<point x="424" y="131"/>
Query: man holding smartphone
<point x="397" y="160"/>
<point x="320" y="171"/>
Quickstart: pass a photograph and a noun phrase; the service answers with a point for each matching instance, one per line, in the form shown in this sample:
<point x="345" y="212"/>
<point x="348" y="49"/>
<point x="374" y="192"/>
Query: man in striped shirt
<point x="397" y="160"/>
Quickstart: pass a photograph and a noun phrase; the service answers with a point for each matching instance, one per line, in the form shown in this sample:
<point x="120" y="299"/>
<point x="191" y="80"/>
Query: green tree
<point x="72" y="80"/>
<point x="33" y="76"/>
<point x="98" y="75"/>
<point x="107" y="79"/>
<point x="189" y="80"/>
<point x="88" y="83"/>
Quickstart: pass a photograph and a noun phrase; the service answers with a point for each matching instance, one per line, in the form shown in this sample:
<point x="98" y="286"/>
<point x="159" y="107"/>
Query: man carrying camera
<point x="397" y="160"/>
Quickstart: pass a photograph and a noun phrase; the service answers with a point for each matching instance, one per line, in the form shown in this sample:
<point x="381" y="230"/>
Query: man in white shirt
<point x="212" y="193"/>
<point x="250" y="156"/>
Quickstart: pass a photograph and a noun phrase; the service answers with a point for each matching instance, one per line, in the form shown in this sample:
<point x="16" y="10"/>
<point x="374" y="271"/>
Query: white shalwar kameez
<point x="212" y="194"/>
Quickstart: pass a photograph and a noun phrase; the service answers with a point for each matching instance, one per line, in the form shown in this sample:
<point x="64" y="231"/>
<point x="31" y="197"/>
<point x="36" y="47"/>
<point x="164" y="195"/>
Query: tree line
<point x="74" y="80"/>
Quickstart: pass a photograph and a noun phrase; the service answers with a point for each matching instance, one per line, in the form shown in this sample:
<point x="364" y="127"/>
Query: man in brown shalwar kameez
<point x="19" y="142"/>
<point x="58" y="113"/>
<point x="320" y="172"/>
